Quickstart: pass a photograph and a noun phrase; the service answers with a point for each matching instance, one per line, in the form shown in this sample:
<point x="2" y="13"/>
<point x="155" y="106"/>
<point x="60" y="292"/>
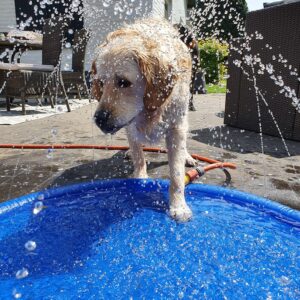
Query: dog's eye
<point x="123" y="83"/>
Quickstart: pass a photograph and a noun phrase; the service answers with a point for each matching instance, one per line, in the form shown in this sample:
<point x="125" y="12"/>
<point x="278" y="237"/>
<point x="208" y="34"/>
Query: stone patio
<point x="274" y="174"/>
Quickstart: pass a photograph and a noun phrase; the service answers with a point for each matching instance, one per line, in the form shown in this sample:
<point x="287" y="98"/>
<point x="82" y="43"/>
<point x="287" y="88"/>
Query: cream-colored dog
<point x="141" y="78"/>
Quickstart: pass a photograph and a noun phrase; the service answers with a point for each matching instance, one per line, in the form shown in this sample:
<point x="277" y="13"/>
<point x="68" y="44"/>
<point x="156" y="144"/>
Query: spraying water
<point x="101" y="17"/>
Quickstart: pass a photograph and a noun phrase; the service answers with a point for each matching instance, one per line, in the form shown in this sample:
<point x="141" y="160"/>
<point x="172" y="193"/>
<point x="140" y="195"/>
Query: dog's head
<point x="129" y="77"/>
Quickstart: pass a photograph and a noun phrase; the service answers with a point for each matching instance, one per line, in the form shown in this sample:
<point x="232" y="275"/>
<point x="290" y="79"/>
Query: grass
<point x="219" y="88"/>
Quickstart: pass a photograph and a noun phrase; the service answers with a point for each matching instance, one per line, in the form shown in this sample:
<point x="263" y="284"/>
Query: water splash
<point x="30" y="245"/>
<point x="22" y="273"/>
<point x="38" y="207"/>
<point x="16" y="294"/>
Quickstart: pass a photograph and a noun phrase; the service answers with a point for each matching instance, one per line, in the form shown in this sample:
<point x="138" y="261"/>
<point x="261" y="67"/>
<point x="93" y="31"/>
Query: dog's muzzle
<point x="103" y="121"/>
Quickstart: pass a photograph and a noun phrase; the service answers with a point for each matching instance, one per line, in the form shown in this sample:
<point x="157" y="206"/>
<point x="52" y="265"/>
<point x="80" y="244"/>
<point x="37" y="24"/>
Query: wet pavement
<point x="274" y="174"/>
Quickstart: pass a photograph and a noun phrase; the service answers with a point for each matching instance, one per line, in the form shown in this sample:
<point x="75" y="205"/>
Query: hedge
<point x="213" y="55"/>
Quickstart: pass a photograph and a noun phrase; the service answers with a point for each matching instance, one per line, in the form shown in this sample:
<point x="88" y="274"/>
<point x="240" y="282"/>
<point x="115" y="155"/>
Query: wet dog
<point x="141" y="77"/>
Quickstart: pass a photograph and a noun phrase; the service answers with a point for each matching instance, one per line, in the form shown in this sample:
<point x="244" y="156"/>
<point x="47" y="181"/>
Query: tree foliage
<point x="212" y="56"/>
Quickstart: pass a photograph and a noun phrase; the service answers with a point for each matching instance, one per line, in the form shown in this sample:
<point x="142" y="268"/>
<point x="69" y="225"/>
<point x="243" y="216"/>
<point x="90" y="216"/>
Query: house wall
<point x="158" y="9"/>
<point x="168" y="9"/>
<point x="179" y="11"/>
<point x="7" y="15"/>
<point x="102" y="17"/>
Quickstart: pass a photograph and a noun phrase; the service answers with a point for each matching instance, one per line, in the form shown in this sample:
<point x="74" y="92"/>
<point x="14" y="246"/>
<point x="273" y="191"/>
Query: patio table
<point x="19" y="41"/>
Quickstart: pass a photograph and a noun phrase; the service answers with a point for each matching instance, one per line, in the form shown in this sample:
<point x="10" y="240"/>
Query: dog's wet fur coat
<point x="141" y="78"/>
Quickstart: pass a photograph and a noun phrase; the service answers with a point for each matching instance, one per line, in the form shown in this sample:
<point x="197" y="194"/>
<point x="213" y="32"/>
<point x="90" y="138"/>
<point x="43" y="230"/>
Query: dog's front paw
<point x="181" y="213"/>
<point x="190" y="162"/>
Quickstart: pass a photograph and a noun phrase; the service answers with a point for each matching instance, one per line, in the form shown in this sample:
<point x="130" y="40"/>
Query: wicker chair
<point x="280" y="28"/>
<point x="27" y="80"/>
<point x="74" y="81"/>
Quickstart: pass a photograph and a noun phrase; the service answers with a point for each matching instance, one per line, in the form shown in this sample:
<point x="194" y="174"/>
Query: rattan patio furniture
<point x="26" y="80"/>
<point x="273" y="36"/>
<point x="266" y="5"/>
<point x="74" y="81"/>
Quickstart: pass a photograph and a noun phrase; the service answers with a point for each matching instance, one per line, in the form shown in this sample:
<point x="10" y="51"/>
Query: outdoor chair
<point x="74" y="81"/>
<point x="273" y="36"/>
<point x="27" y="80"/>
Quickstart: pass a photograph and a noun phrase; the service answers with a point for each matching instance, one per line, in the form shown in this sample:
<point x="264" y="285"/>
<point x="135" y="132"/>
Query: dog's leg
<point x="138" y="158"/>
<point x="191" y="104"/>
<point x="176" y="145"/>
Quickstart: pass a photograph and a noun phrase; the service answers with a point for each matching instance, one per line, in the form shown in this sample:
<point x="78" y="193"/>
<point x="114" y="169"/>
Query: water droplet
<point x="30" y="245"/>
<point x="38" y="206"/>
<point x="54" y="131"/>
<point x="16" y="294"/>
<point x="284" y="280"/>
<point x="106" y="3"/>
<point x="68" y="45"/>
<point x="129" y="11"/>
<point x="41" y="197"/>
<point x="22" y="273"/>
<point x="269" y="68"/>
<point x="50" y="153"/>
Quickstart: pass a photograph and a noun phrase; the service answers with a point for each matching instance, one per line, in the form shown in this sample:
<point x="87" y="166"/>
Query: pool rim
<point x="276" y="209"/>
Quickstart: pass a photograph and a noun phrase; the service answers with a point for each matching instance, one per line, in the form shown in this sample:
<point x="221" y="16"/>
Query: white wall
<point x="158" y="9"/>
<point x="101" y="17"/>
<point x="169" y="9"/>
<point x="7" y="15"/>
<point x="179" y="11"/>
<point x="104" y="16"/>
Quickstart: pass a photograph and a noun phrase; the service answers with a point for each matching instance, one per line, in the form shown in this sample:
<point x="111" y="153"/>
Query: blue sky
<point x="257" y="4"/>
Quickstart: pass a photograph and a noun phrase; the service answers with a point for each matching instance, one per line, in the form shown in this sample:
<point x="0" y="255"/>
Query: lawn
<point x="219" y="88"/>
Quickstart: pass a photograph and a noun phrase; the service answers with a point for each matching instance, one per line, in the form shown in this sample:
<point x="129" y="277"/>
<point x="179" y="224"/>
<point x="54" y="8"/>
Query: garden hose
<point x="190" y="176"/>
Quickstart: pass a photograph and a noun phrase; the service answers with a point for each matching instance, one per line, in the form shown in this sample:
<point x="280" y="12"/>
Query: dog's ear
<point x="96" y="90"/>
<point x="160" y="80"/>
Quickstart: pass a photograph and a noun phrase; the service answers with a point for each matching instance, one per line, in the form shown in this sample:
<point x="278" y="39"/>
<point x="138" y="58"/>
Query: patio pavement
<point x="274" y="174"/>
<point x="35" y="111"/>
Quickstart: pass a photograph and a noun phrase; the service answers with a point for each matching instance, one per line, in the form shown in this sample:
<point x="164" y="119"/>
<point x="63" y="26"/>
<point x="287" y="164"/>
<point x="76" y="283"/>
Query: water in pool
<point x="118" y="243"/>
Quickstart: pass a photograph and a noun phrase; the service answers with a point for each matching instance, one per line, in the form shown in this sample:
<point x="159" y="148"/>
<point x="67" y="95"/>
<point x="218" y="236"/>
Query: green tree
<point x="212" y="56"/>
<point x="220" y="19"/>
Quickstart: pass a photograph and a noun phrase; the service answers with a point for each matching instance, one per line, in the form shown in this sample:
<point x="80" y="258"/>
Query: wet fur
<point x="150" y="53"/>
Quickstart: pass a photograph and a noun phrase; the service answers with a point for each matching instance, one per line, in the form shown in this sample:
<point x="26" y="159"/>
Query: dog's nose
<point x="102" y="120"/>
<point x="101" y="117"/>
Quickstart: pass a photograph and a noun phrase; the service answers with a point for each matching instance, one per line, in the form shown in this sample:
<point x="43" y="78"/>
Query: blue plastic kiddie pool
<point x="113" y="240"/>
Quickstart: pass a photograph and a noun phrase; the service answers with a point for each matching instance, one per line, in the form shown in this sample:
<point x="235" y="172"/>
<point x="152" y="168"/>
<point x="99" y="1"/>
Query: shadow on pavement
<point x="244" y="141"/>
<point x="116" y="166"/>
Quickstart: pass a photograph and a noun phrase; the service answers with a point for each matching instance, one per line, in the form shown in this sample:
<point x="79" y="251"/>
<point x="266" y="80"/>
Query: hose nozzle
<point x="191" y="175"/>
